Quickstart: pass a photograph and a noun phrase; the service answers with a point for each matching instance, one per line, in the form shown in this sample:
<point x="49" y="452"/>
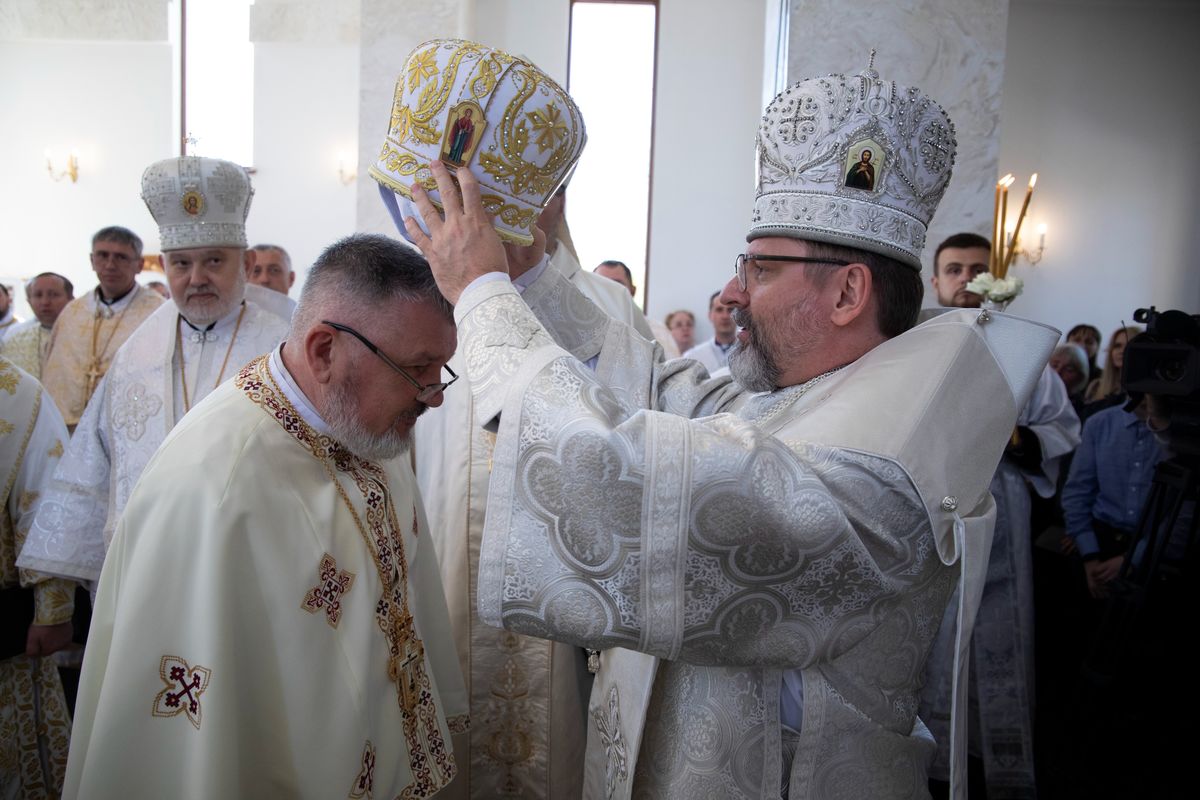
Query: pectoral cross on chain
<point x="93" y="375"/>
<point x="404" y="664"/>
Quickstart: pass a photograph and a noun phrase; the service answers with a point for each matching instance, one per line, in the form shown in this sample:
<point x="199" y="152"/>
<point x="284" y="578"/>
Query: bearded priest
<point x="265" y="637"/>
<point x="182" y="352"/>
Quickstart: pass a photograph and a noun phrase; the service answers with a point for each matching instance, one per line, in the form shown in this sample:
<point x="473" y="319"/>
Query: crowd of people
<point x="610" y="561"/>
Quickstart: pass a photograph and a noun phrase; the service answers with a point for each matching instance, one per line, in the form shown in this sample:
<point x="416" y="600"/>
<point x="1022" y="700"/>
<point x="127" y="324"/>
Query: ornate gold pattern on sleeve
<point x="9" y="377"/>
<point x="56" y="450"/>
<point x="53" y="601"/>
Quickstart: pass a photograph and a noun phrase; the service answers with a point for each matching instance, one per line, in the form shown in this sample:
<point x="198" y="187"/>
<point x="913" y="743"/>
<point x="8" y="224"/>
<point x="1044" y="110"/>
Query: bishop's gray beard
<point x="750" y="362"/>
<point x="348" y="429"/>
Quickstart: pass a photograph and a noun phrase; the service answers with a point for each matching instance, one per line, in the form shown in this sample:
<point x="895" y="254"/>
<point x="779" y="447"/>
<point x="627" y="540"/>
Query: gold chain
<point x="187" y="406"/>
<point x="93" y="371"/>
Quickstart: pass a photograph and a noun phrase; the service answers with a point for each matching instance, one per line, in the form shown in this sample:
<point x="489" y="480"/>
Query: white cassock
<point x="270" y="621"/>
<point x="710" y="355"/>
<point x="780" y="560"/>
<point x="1002" y="689"/>
<point x="35" y="726"/>
<point x="528" y="696"/>
<point x="138" y="402"/>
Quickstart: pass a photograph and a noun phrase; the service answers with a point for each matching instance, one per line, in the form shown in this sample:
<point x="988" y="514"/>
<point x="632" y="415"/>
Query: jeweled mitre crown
<point x="198" y="202"/>
<point x="478" y="108"/>
<point x="852" y="160"/>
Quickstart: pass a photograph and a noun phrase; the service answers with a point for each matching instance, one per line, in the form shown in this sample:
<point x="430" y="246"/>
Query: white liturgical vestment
<point x="730" y="538"/>
<point x="528" y="696"/>
<point x="137" y="403"/>
<point x="270" y="621"/>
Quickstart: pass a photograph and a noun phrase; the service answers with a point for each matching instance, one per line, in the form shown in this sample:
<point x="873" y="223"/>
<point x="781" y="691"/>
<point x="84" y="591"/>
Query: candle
<point x="993" y="261"/>
<point x="1020" y="219"/>
<point x="1002" y="264"/>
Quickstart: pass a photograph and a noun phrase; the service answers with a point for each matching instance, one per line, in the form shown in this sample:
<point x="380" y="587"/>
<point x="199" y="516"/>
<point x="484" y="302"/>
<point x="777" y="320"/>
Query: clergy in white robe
<point x="1002" y="692"/>
<point x="778" y="550"/>
<point x="528" y="696"/>
<point x="1002" y="689"/>
<point x="91" y="329"/>
<point x="271" y="622"/>
<point x="180" y="354"/>
<point x="36" y="609"/>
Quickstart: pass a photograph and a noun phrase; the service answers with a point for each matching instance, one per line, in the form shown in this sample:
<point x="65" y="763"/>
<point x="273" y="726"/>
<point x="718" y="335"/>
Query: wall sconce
<point x="71" y="171"/>
<point x="345" y="177"/>
<point x="1031" y="254"/>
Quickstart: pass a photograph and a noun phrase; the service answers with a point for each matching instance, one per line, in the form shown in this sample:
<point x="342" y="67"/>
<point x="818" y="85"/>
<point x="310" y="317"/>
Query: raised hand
<point x="462" y="245"/>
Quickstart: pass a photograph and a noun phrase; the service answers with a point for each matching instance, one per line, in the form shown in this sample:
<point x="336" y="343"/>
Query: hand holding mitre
<point x="462" y="244"/>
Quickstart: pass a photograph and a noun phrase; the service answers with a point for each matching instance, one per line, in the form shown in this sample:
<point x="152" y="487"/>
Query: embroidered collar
<point x="258" y="383"/>
<point x="294" y="395"/>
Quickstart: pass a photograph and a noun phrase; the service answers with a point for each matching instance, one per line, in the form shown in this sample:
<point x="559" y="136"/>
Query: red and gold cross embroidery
<point x="184" y="685"/>
<point x="332" y="583"/>
<point x="364" y="783"/>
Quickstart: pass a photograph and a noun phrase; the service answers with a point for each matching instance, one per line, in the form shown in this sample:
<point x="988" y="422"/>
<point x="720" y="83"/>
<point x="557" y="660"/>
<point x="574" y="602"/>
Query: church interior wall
<point x="1091" y="98"/>
<point x="707" y="104"/>
<point x="1099" y="100"/>
<point x="305" y="116"/>
<point x="108" y="100"/>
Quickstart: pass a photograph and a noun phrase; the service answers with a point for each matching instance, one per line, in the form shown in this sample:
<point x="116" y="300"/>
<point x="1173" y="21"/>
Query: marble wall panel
<point x="954" y="50"/>
<point x="390" y="30"/>
<point x="89" y="20"/>
<point x="313" y="21"/>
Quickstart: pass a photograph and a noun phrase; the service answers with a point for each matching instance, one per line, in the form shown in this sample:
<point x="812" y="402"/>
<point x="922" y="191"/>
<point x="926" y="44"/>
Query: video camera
<point x="1164" y="363"/>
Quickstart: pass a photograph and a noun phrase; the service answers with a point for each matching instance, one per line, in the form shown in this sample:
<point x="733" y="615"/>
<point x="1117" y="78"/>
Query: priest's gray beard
<point x="752" y="363"/>
<point x="203" y="313"/>
<point x="341" y="417"/>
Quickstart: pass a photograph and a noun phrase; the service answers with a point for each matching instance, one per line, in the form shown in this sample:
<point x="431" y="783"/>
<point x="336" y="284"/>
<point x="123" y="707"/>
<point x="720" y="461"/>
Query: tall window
<point x="612" y="80"/>
<point x="217" y="86"/>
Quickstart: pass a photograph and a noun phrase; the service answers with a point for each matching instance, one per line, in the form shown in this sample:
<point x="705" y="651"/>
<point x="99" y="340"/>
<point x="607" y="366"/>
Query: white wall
<point x="1100" y="98"/>
<point x="305" y="113"/>
<point x="707" y="108"/>
<point x="110" y="101"/>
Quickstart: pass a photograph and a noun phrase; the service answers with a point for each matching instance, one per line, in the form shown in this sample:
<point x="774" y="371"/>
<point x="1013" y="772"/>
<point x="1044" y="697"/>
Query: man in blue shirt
<point x="1108" y="485"/>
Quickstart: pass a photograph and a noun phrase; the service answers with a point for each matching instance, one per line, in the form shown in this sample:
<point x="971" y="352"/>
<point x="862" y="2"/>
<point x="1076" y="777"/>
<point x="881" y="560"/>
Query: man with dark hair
<point x="714" y="353"/>
<point x="92" y="328"/>
<point x="958" y="261"/>
<point x="616" y="271"/>
<point x="272" y="268"/>
<point x="756" y="557"/>
<point x="1047" y="431"/>
<point x="293" y="643"/>
<point x="27" y="343"/>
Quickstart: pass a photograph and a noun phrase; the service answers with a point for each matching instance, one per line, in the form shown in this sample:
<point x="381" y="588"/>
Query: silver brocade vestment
<point x="733" y="538"/>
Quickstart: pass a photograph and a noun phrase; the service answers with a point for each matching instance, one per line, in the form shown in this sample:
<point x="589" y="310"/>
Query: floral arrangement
<point x="998" y="290"/>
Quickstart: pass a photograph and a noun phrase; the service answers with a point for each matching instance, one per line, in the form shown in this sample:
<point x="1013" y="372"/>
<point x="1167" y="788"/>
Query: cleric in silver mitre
<point x="762" y="560"/>
<point x="214" y="324"/>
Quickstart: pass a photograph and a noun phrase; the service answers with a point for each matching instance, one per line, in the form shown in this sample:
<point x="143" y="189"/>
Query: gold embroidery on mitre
<point x="6" y="427"/>
<point x="332" y="585"/>
<point x="184" y="685"/>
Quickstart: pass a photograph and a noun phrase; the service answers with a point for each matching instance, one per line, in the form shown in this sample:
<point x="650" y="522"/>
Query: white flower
<point x="999" y="290"/>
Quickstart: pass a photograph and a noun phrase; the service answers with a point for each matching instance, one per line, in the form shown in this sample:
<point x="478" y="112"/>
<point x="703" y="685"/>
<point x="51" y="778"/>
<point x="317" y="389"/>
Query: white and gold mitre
<point x="198" y="202"/>
<point x="498" y="115"/>
<point x="852" y="160"/>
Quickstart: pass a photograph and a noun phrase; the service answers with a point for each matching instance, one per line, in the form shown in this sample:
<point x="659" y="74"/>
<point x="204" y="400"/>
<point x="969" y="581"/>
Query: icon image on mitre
<point x="464" y="129"/>
<point x="864" y="163"/>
